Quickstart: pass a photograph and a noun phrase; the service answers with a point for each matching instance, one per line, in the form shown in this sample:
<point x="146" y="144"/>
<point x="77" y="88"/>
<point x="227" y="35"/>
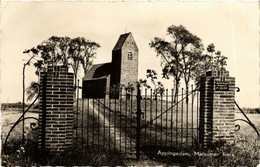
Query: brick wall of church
<point x="125" y="69"/>
<point x="129" y="68"/>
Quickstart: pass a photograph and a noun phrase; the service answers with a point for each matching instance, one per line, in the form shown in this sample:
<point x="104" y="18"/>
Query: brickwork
<point x="58" y="113"/>
<point x="217" y="110"/>
<point x="129" y="68"/>
<point x="125" y="70"/>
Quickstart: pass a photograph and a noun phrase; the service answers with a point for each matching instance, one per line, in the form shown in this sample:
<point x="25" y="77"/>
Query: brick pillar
<point x="217" y="110"/>
<point x="56" y="120"/>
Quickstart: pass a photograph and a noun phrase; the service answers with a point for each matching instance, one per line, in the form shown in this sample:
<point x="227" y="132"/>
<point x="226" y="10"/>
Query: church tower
<point x="124" y="61"/>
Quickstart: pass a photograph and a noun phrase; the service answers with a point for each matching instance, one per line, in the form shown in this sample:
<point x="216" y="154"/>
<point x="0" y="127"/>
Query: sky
<point x="232" y="26"/>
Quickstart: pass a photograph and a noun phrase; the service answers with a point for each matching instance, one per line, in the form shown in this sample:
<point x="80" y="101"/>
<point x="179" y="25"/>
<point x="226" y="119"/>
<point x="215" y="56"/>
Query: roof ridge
<point x="98" y="71"/>
<point x="121" y="40"/>
<point x="100" y="63"/>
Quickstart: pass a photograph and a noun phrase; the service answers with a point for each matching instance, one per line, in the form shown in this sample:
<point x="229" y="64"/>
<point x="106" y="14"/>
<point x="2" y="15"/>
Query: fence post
<point x="138" y="113"/>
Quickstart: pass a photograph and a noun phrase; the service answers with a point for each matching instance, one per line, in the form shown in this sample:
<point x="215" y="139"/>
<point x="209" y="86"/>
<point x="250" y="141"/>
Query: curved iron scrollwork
<point x="33" y="125"/>
<point x="237" y="126"/>
<point x="237" y="89"/>
<point x="247" y="120"/>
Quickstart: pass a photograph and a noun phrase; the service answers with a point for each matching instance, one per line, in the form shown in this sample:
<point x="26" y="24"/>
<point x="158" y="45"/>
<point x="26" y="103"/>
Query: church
<point x="101" y="79"/>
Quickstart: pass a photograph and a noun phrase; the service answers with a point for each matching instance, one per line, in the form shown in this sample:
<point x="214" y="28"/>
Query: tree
<point x="80" y="54"/>
<point x="211" y="61"/>
<point x="77" y="54"/>
<point x="158" y="86"/>
<point x="180" y="56"/>
<point x="32" y="90"/>
<point x="54" y="51"/>
<point x="215" y="60"/>
<point x="219" y="62"/>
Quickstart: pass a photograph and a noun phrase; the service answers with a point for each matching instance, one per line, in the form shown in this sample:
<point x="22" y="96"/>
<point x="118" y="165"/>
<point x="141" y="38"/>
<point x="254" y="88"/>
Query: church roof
<point x="121" y="41"/>
<point x="98" y="71"/>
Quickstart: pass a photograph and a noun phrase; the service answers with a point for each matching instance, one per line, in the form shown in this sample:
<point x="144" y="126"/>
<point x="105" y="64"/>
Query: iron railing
<point x="247" y="120"/>
<point x="134" y="122"/>
<point x="22" y="118"/>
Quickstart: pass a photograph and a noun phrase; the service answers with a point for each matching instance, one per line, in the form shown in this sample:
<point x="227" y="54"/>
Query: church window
<point x="130" y="56"/>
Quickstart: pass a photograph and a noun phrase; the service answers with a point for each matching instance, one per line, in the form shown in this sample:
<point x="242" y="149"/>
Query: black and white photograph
<point x="130" y="83"/>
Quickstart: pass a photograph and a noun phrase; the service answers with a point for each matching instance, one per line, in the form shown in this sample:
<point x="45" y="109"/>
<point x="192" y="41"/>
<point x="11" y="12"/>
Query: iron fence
<point x="135" y="122"/>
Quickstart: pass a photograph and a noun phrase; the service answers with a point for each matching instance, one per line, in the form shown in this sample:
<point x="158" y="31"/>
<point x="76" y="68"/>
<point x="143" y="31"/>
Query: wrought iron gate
<point x="108" y="123"/>
<point x="166" y="125"/>
<point x="139" y="122"/>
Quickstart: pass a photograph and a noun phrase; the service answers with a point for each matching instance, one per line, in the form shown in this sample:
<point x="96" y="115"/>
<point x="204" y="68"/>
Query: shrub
<point x="243" y="153"/>
<point x="29" y="154"/>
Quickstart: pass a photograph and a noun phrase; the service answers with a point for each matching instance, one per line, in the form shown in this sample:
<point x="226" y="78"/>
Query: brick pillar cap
<point x="217" y="73"/>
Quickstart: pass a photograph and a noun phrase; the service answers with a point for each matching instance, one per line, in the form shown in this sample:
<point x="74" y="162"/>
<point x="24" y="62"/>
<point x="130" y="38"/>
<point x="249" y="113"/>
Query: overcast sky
<point x="232" y="26"/>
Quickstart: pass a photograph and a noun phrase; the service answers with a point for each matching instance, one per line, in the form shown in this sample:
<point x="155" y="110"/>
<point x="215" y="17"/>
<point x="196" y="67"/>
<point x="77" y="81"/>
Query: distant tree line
<point x="18" y="105"/>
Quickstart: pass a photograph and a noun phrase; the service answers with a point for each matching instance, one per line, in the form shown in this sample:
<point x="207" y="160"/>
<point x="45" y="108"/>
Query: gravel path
<point x="121" y="140"/>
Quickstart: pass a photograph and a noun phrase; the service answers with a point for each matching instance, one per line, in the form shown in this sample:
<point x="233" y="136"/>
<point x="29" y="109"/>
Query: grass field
<point x="9" y="117"/>
<point x="246" y="131"/>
